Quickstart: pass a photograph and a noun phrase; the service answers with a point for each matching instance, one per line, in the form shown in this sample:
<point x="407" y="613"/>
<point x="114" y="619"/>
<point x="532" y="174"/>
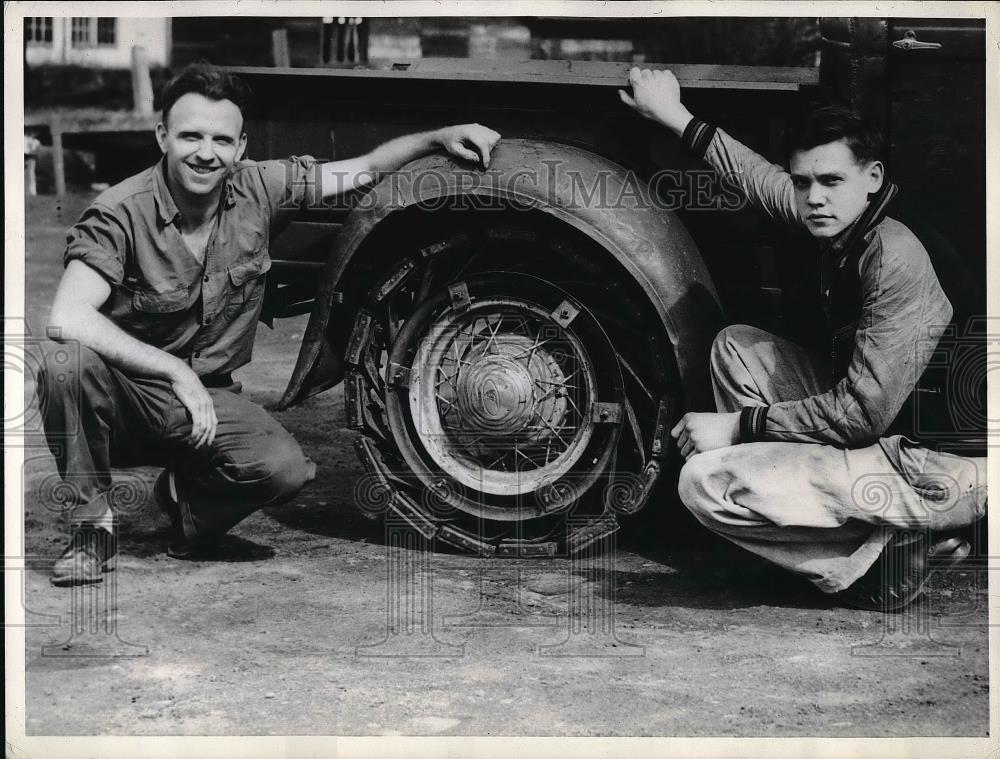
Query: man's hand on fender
<point x="700" y="432"/>
<point x="189" y="390"/>
<point x="461" y="139"/>
<point x="657" y="96"/>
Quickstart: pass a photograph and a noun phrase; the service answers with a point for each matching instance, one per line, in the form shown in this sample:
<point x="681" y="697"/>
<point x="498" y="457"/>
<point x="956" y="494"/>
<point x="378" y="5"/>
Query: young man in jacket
<point x="810" y="459"/>
<point x="158" y="305"/>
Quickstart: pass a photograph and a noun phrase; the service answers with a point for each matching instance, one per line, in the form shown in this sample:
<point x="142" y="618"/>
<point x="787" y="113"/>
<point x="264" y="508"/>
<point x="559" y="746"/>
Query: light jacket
<point x="900" y="313"/>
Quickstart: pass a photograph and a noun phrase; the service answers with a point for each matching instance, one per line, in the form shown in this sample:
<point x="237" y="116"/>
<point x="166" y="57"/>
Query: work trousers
<point x="97" y="417"/>
<point x="818" y="510"/>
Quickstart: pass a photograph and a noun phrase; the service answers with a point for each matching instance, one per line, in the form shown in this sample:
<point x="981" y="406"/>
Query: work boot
<point x="899" y="575"/>
<point x="86" y="558"/>
<point x="174" y="504"/>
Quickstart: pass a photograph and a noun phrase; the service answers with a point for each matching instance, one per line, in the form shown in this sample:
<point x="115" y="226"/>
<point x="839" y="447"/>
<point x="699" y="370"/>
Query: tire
<point x="511" y="392"/>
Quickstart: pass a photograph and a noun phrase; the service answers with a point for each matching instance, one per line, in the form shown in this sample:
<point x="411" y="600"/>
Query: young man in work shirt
<point x="800" y="442"/>
<point x="159" y="304"/>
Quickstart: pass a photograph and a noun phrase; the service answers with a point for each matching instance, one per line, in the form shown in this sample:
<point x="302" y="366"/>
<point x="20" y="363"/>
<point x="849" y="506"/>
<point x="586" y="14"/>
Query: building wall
<point x="151" y="33"/>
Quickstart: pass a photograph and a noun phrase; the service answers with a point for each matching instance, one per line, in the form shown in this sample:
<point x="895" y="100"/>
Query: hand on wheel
<point x="460" y="141"/>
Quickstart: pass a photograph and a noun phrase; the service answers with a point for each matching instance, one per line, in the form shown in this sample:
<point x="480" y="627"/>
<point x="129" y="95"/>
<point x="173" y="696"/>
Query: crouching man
<point x="810" y="460"/>
<point x="160" y="297"/>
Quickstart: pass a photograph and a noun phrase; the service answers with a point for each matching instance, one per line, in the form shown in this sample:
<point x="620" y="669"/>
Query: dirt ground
<point x="674" y="633"/>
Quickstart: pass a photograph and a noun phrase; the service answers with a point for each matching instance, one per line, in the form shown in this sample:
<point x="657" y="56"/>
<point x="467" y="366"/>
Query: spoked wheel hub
<point x="504" y="395"/>
<point x="501" y="389"/>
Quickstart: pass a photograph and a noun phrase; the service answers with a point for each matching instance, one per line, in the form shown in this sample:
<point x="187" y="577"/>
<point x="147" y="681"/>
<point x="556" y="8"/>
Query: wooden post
<point x="279" y="48"/>
<point x="30" y="180"/>
<point x="30" y="160"/>
<point x="142" y="84"/>
<point x="325" y="35"/>
<point x="58" y="163"/>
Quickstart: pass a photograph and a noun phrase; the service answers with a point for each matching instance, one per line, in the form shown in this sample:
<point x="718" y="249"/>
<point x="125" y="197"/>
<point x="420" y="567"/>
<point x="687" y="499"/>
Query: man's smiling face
<point x="201" y="141"/>
<point x="831" y="187"/>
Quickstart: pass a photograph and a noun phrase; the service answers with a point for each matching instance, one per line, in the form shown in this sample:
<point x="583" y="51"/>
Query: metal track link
<point x="644" y="483"/>
<point x="409" y="510"/>
<point x="525" y="549"/>
<point x="465" y="541"/>
<point x="590" y="533"/>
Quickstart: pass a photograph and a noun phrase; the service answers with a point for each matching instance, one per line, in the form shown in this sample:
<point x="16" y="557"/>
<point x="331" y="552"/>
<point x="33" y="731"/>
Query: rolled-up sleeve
<point x="100" y="239"/>
<point x="289" y="186"/>
<point x="904" y="312"/>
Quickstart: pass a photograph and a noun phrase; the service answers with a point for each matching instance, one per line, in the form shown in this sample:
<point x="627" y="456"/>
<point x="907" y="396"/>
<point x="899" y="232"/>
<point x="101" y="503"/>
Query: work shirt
<point x="206" y="311"/>
<point x="903" y="313"/>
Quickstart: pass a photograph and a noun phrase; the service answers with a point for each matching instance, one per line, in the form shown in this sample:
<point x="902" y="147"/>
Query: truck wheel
<point x="511" y="397"/>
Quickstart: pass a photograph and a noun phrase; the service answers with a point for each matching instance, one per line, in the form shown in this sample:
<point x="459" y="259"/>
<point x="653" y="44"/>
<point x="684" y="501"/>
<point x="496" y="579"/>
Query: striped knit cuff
<point x="696" y="138"/>
<point x="753" y="420"/>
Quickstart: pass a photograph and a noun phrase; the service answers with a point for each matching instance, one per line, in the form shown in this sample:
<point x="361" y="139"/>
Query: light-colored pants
<point x="822" y="511"/>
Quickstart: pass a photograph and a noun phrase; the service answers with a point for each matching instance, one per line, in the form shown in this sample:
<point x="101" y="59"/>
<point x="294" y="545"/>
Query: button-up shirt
<point x="204" y="311"/>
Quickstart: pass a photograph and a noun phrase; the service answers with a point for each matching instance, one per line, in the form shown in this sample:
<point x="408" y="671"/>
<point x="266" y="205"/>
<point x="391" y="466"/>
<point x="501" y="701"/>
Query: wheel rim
<point x="465" y="397"/>
<point x="502" y="393"/>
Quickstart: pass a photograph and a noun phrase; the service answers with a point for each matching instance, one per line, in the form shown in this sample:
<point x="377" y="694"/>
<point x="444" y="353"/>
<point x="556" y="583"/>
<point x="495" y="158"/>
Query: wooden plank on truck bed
<point x="73" y="120"/>
<point x="600" y="73"/>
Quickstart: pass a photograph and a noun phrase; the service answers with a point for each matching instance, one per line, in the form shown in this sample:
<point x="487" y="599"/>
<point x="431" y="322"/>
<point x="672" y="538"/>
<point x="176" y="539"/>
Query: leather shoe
<point x="85" y="560"/>
<point x="171" y="502"/>
<point x="900" y="574"/>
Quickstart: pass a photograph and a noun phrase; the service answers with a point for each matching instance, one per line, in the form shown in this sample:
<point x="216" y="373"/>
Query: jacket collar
<point x="871" y="217"/>
<point x="165" y="206"/>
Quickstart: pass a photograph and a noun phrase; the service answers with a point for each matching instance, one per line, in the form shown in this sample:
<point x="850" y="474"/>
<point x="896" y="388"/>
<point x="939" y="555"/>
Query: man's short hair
<point x="204" y="79"/>
<point x="832" y="123"/>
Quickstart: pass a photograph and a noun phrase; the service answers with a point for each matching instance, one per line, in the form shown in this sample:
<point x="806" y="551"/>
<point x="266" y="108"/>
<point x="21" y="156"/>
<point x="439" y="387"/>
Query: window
<point x="38" y="30"/>
<point x="106" y="31"/>
<point x="80" y="32"/>
<point x="88" y="32"/>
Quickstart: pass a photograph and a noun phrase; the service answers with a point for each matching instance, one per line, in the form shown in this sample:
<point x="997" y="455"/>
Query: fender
<point x="622" y="217"/>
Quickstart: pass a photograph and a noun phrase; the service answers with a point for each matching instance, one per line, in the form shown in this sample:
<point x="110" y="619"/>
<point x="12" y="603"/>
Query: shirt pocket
<point x="152" y="302"/>
<point x="159" y="318"/>
<point x="246" y="279"/>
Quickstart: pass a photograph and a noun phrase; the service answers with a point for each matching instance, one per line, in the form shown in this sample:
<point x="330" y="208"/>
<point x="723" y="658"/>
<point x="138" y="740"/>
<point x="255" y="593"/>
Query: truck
<point x="516" y="343"/>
